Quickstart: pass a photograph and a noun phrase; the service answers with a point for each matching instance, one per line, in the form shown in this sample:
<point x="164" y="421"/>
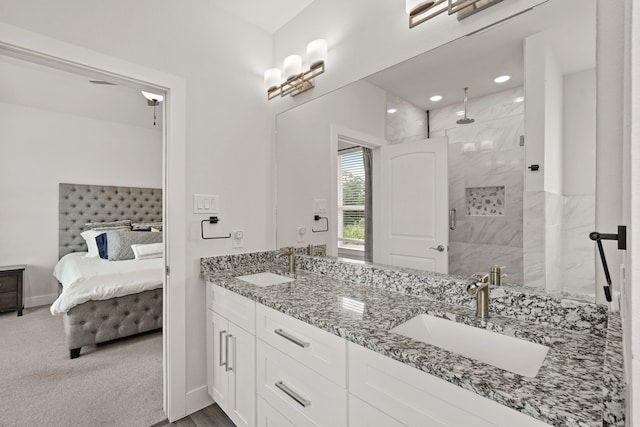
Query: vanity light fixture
<point x="293" y="80"/>
<point x="420" y="11"/>
<point x="502" y="79"/>
<point x="435" y="98"/>
<point x="153" y="99"/>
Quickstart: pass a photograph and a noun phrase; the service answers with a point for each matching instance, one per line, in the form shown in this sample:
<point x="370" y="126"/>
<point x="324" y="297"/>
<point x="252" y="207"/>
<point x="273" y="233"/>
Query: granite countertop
<point x="569" y="389"/>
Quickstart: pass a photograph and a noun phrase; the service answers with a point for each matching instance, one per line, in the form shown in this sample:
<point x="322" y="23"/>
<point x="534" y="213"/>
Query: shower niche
<point x="485" y="201"/>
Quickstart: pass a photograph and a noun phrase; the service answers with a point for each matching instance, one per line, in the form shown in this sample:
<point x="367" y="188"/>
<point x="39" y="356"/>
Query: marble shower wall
<point x="485" y="154"/>
<point x="407" y="123"/>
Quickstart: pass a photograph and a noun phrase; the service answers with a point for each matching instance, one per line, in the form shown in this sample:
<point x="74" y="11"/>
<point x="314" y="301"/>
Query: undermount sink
<point x="511" y="354"/>
<point x="265" y="279"/>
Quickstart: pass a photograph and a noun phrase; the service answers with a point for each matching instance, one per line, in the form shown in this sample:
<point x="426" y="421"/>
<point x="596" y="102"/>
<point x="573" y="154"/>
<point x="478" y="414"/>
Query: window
<point x="351" y="199"/>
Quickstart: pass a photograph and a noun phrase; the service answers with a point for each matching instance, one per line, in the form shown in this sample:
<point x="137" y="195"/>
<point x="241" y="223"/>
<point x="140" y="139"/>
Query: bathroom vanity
<point x="326" y="349"/>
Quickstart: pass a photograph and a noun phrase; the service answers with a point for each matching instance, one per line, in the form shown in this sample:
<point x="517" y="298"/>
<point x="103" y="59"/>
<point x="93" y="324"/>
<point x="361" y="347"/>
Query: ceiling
<point x="269" y="15"/>
<point x="39" y="86"/>
<point x="476" y="60"/>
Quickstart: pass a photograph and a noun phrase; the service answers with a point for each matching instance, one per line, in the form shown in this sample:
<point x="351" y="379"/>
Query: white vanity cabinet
<point x="415" y="398"/>
<point x="231" y="354"/>
<point x="301" y="373"/>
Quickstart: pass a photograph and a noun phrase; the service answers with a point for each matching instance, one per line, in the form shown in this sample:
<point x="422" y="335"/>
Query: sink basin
<point x="265" y="279"/>
<point x="511" y="354"/>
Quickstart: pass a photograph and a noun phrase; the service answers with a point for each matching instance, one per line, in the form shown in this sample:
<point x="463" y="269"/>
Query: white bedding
<point x="85" y="279"/>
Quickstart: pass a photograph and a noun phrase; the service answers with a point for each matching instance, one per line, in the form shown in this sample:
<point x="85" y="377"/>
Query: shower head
<point x="465" y="120"/>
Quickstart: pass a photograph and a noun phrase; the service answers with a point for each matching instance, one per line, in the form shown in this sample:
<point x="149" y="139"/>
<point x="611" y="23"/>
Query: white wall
<point x="41" y="148"/>
<point x="228" y="125"/>
<point x="304" y="155"/>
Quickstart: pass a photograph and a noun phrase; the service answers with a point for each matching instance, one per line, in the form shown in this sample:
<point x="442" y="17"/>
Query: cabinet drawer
<point x="269" y="417"/>
<point x="234" y="307"/>
<point x="301" y="395"/>
<point x="8" y="301"/>
<point x="362" y="414"/>
<point x="8" y="283"/>
<point x="319" y="350"/>
<point x="416" y="398"/>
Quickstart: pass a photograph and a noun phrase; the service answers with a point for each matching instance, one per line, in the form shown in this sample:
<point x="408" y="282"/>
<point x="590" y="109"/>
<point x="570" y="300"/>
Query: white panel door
<point x="414" y="199"/>
<point x="242" y="376"/>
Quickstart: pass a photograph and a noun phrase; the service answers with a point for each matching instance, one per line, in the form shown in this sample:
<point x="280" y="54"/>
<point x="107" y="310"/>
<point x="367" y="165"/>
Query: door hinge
<point x="167" y="270"/>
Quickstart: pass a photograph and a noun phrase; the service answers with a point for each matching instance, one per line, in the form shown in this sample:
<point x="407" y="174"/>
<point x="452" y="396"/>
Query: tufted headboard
<point x="80" y="203"/>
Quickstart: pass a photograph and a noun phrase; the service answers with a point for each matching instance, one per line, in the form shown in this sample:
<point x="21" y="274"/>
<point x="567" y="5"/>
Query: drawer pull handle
<point x="221" y="362"/>
<point x="291" y="338"/>
<point x="292" y="394"/>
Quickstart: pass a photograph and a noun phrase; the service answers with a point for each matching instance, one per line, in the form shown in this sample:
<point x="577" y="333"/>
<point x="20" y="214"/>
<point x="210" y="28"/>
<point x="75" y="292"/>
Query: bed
<point x="100" y="311"/>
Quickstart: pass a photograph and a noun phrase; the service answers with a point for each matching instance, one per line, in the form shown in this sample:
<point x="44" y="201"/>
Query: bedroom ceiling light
<point x="296" y="80"/>
<point x="502" y="79"/>
<point x="153" y="99"/>
<point x="420" y="11"/>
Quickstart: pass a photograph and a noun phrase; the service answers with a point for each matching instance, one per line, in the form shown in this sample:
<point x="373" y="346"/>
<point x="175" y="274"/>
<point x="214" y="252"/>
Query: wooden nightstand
<point x="11" y="278"/>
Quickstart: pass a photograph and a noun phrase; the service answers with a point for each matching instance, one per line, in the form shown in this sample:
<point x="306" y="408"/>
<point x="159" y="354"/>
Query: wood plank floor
<point x="211" y="416"/>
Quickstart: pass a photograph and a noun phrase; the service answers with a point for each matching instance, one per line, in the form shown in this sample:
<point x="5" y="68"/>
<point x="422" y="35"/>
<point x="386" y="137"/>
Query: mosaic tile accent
<point x="568" y="390"/>
<point x="485" y="201"/>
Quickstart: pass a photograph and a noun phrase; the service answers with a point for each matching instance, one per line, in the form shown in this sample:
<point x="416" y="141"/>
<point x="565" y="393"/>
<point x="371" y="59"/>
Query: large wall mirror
<point x="508" y="180"/>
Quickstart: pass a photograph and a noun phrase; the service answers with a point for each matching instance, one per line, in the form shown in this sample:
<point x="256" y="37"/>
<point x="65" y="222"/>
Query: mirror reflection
<point x="509" y="180"/>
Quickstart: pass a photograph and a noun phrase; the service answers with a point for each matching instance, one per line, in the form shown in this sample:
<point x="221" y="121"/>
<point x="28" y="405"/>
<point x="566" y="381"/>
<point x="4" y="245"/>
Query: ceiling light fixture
<point x="436" y="98"/>
<point x="501" y="79"/>
<point x="153" y="99"/>
<point x="296" y="81"/>
<point x="519" y="99"/>
<point x="420" y="11"/>
<point x="392" y="111"/>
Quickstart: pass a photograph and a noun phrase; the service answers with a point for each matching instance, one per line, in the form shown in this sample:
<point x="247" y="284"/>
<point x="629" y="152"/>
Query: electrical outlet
<point x="301" y="233"/>
<point x="237" y="238"/>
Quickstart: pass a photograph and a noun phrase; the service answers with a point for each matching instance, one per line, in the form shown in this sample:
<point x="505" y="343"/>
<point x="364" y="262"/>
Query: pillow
<point x="146" y="225"/>
<point x="119" y="243"/>
<point x="147" y="251"/>
<point x="114" y="225"/>
<point x="103" y="248"/>
<point x="89" y="237"/>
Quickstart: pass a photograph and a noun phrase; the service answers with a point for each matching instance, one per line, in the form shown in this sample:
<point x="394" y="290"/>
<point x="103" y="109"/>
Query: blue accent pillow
<point x="101" y="242"/>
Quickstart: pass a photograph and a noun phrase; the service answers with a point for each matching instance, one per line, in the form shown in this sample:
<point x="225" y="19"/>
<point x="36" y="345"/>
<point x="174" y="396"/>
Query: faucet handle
<point x="480" y="277"/>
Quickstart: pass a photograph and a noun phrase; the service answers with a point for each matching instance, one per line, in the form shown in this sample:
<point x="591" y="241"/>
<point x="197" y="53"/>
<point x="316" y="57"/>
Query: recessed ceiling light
<point x="392" y="111"/>
<point x="518" y="99"/>
<point x="436" y="98"/>
<point x="460" y="113"/>
<point x="501" y="79"/>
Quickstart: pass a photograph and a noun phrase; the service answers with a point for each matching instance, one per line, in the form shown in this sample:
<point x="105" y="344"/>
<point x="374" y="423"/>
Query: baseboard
<point x="39" y="300"/>
<point x="197" y="399"/>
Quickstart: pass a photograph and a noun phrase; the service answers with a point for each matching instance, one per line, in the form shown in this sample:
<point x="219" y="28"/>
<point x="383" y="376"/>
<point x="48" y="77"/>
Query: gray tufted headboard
<point x="80" y="203"/>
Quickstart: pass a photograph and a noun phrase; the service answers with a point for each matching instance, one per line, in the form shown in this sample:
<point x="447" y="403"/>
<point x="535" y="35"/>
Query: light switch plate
<point x="206" y="204"/>
<point x="319" y="206"/>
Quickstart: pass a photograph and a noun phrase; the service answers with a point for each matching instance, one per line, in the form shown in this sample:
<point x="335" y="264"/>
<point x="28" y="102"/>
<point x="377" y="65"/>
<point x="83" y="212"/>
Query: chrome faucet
<point x="480" y="289"/>
<point x="292" y="259"/>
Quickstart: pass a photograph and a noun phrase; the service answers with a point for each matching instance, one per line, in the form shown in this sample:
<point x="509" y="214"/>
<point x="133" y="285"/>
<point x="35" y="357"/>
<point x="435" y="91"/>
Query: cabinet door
<point x="242" y="376"/>
<point x="269" y="417"/>
<point x="217" y="376"/>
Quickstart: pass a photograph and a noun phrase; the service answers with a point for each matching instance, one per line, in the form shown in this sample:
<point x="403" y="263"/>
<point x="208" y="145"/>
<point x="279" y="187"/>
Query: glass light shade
<point x="292" y="66"/>
<point x="317" y="52"/>
<point x="152" y="96"/>
<point x="272" y="78"/>
<point x="412" y="5"/>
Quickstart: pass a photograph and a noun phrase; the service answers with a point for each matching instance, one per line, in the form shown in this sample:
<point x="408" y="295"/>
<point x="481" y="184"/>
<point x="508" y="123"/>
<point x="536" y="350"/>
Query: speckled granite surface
<point x="362" y="302"/>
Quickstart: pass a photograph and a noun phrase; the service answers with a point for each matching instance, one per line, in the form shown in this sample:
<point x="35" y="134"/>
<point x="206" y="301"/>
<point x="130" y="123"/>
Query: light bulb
<point x="272" y="78"/>
<point x="292" y="66"/>
<point x="317" y="53"/>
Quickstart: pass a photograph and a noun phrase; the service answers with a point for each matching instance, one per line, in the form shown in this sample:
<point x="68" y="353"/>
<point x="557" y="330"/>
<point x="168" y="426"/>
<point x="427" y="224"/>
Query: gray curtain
<point x="368" y="205"/>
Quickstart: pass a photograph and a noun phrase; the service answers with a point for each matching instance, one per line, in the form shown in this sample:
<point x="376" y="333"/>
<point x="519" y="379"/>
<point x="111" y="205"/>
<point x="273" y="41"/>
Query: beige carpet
<point x="116" y="384"/>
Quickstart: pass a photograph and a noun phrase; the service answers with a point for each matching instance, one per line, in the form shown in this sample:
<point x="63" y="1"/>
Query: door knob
<point x="439" y="248"/>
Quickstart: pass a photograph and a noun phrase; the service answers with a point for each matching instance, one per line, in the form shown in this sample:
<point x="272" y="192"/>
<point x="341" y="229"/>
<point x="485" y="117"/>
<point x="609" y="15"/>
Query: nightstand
<point x="11" y="278"/>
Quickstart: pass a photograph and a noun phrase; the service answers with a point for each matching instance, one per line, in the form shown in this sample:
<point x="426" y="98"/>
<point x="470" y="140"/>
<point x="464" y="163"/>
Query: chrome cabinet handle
<point x="221" y="362"/>
<point x="228" y="367"/>
<point x="291" y="338"/>
<point x="292" y="394"/>
<point x="439" y="248"/>
<point x="452" y="219"/>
